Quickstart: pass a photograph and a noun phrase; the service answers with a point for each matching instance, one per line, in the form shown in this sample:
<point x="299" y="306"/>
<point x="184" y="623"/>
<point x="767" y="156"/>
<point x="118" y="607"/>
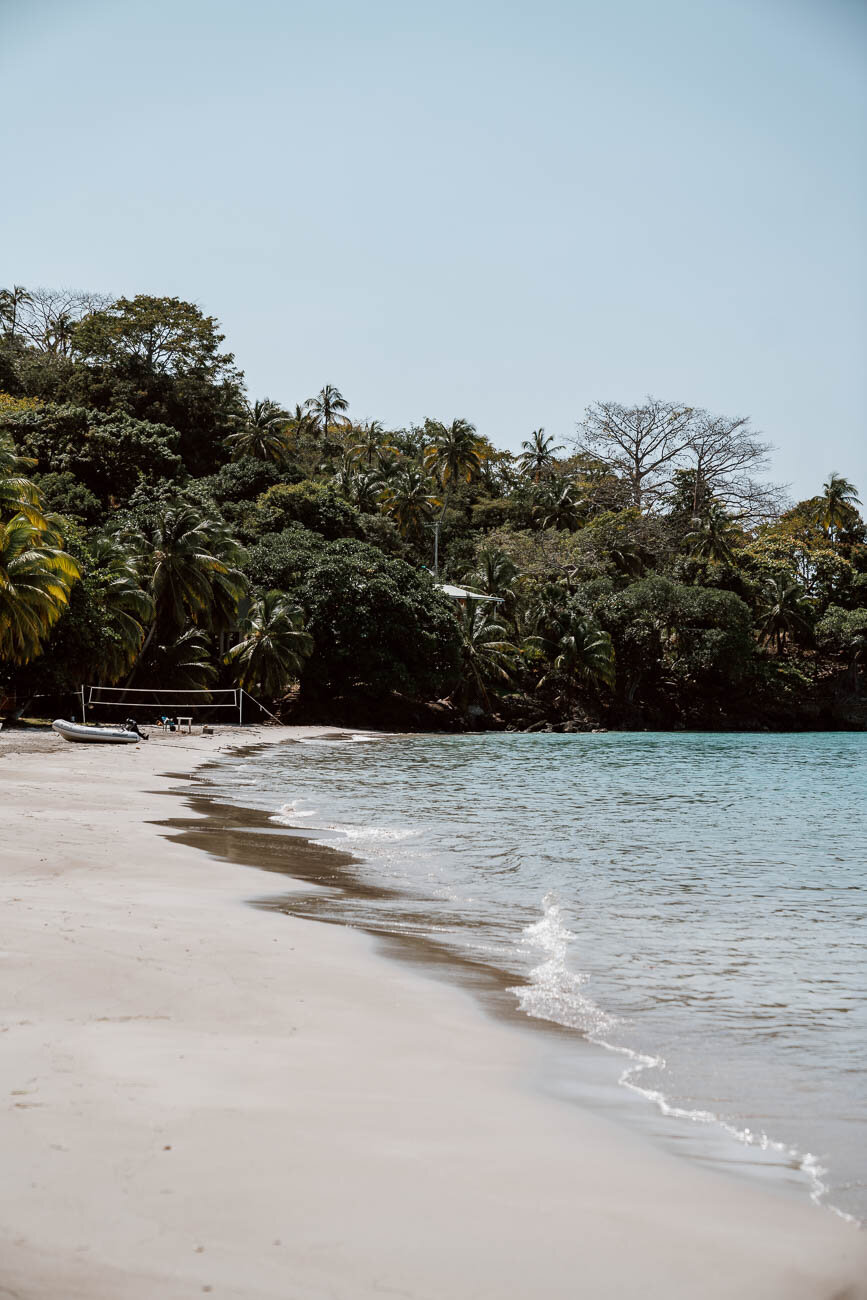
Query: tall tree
<point x="454" y="454"/>
<point x="189" y="565"/>
<point x="328" y="403"/>
<point x="723" y="456"/>
<point x="409" y="499"/>
<point x="162" y="335"/>
<point x="46" y="318"/>
<point x="641" y="444"/>
<point x="560" y="506"/>
<point x="783" y="613"/>
<point x="487" y="655"/>
<point x="370" y="444"/>
<point x="12" y="301"/>
<point x="263" y="432"/>
<point x="36" y="577"/>
<point x="837" y="507"/>
<point x="538" y="454"/>
<point x="17" y="494"/>
<point x="273" y="647"/>
<point x="713" y="534"/>
<point x="161" y="360"/>
<point x="648" y="445"/>
<point x="127" y="606"/>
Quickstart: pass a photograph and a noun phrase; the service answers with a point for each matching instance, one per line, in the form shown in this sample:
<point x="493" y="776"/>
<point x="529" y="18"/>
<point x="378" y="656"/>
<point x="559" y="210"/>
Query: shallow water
<point x="694" y="904"/>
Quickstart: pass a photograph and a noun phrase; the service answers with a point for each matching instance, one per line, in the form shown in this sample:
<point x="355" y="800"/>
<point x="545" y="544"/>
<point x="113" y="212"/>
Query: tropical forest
<point x="161" y="526"/>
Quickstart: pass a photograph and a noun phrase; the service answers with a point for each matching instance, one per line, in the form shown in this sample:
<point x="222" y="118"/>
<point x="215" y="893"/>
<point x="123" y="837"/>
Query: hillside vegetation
<point x="161" y="527"/>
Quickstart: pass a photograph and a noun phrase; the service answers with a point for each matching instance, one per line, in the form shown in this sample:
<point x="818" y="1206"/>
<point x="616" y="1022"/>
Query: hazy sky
<point x="496" y="210"/>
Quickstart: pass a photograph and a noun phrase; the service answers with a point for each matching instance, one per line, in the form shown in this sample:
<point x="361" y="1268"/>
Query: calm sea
<point x="691" y="905"/>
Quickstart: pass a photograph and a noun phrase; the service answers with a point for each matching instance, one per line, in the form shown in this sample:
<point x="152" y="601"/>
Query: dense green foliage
<point x="159" y="527"/>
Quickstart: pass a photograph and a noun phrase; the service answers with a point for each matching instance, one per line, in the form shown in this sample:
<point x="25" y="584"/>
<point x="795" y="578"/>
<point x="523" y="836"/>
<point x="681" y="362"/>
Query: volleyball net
<point x="157" y="702"/>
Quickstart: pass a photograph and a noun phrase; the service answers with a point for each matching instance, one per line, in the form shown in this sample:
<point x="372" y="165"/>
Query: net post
<point x="83" y="708"/>
<point x="240" y="706"/>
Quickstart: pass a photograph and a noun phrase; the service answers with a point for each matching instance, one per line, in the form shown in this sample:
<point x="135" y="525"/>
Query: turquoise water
<point x="692" y="904"/>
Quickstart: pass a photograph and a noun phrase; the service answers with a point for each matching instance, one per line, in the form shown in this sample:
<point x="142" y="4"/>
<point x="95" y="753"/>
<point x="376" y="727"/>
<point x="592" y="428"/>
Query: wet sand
<point x="199" y="1096"/>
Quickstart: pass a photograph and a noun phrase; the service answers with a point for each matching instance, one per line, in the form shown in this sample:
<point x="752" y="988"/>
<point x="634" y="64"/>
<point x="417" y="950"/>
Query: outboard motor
<point x="132" y="725"/>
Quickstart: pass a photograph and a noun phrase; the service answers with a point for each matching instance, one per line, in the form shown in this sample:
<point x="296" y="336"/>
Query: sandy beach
<point x="200" y="1096"/>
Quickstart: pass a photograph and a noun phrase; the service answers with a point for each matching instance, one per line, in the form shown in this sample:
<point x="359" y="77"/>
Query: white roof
<point x="461" y="593"/>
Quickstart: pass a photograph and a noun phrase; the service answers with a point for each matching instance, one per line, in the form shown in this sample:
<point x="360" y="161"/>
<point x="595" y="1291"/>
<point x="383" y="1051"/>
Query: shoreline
<point x="573" y="1066"/>
<point x="204" y="1096"/>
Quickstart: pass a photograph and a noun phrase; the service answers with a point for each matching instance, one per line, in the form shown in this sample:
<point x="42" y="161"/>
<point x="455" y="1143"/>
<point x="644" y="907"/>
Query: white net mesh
<point x="159" y="700"/>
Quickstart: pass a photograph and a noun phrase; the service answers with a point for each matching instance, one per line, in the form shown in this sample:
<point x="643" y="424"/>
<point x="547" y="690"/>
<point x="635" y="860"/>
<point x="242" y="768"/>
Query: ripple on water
<point x="709" y="890"/>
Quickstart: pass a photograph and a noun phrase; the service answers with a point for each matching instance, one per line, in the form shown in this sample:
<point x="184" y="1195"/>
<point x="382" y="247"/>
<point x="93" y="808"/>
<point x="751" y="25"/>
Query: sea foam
<point x="554" y="992"/>
<point x="288" y="813"/>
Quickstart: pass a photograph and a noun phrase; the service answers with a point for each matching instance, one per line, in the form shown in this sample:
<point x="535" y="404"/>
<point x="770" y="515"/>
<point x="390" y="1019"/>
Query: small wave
<point x="289" y="812"/>
<point x="553" y="992"/>
<point x="804" y="1162"/>
<point x="375" y="832"/>
<point x="354" y="738"/>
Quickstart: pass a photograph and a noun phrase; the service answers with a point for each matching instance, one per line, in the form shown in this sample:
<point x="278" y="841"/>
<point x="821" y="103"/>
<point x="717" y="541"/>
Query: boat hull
<point x="84" y="734"/>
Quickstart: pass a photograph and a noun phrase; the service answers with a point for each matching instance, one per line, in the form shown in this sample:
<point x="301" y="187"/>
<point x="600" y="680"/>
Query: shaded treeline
<point x="158" y="527"/>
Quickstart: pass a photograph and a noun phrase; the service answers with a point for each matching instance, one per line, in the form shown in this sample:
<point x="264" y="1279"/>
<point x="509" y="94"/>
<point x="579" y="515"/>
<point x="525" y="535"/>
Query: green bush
<point x="378" y="625"/>
<point x="317" y="506"/>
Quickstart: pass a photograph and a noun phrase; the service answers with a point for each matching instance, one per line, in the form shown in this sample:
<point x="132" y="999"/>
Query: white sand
<point x="198" y="1096"/>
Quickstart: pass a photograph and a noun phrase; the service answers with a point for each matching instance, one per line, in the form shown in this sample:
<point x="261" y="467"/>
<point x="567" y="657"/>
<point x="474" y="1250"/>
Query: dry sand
<point x="197" y="1096"/>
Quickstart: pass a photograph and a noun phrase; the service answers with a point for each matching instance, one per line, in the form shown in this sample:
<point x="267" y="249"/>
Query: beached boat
<point x="87" y="734"/>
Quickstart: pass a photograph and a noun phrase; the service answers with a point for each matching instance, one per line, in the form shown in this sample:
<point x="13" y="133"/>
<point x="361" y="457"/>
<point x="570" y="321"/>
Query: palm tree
<point x="273" y="647"/>
<point x="189" y="566"/>
<point x="454" y="454"/>
<point x="546" y="617"/>
<point x="783" y="612"/>
<point x="184" y="660"/>
<point x="586" y="654"/>
<point x="487" y="655"/>
<point x="371" y="441"/>
<point x="59" y="334"/>
<point x="301" y="422"/>
<point x="344" y="475"/>
<point x="582" y="655"/>
<point x="712" y="534"/>
<point x="36" y="576"/>
<point x="11" y="302"/>
<point x="128" y="606"/>
<point x="389" y="462"/>
<point x="18" y="496"/>
<point x="325" y="406"/>
<point x="561" y="507"/>
<point x="494" y="573"/>
<point x="364" y="491"/>
<point x="408" y="498"/>
<point x="837" y="507"/>
<point x="229" y="584"/>
<point x="263" y="433"/>
<point x="538" y="454"/>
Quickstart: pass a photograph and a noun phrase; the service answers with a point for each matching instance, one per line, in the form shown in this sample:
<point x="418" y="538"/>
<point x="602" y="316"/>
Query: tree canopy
<point x="159" y="522"/>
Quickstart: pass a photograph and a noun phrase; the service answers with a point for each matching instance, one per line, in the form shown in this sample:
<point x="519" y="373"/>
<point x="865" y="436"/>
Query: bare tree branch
<point x="648" y="446"/>
<point x="642" y="444"/>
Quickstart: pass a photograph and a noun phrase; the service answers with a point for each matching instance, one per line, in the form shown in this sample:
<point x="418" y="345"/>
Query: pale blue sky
<point x="496" y="210"/>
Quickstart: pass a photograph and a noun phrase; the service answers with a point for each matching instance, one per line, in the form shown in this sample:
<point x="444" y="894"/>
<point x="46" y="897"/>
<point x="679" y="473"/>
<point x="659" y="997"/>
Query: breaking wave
<point x="554" y="992"/>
